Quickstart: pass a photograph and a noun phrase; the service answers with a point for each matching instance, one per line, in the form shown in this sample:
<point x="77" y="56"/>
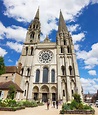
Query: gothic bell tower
<point x="67" y="69"/>
<point x="33" y="33"/>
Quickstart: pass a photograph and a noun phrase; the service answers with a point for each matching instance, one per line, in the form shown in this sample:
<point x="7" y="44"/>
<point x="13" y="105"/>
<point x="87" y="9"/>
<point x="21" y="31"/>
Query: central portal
<point x="44" y="97"/>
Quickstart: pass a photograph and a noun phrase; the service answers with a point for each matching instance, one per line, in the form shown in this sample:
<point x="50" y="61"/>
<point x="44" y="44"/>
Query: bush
<point x="30" y="103"/>
<point x="12" y="103"/>
<point x="73" y="105"/>
<point x="77" y="98"/>
<point x="87" y="107"/>
<point x="65" y="107"/>
<point x="76" y="104"/>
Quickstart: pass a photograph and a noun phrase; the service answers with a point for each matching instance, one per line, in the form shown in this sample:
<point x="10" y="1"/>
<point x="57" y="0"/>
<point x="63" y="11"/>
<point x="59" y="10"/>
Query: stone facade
<point x="49" y="69"/>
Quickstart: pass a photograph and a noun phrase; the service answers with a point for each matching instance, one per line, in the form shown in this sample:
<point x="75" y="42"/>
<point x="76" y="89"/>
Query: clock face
<point x="45" y="56"/>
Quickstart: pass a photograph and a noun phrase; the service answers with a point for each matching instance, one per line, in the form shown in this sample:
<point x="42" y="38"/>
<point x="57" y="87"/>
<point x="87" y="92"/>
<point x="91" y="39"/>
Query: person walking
<point x="57" y="104"/>
<point x="53" y="104"/>
<point x="48" y="103"/>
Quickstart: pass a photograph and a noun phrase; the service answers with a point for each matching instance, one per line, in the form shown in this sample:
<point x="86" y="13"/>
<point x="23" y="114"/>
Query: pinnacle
<point x="37" y="14"/>
<point x="62" y="25"/>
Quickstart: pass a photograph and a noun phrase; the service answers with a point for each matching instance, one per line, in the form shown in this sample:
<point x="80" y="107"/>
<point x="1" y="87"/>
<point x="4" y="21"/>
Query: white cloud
<point x="15" y="46"/>
<point x="2" y="30"/>
<point x="78" y="37"/>
<point x="89" y="66"/>
<point x="90" y="58"/>
<point x="3" y="52"/>
<point x="10" y="60"/>
<point x="89" y="85"/>
<point x="76" y="47"/>
<point x="73" y="28"/>
<point x="23" y="10"/>
<point x="13" y="32"/>
<point x="92" y="72"/>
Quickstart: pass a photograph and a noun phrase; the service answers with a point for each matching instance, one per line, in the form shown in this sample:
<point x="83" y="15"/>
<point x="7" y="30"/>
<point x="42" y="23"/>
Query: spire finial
<point x="37" y="14"/>
<point x="62" y="25"/>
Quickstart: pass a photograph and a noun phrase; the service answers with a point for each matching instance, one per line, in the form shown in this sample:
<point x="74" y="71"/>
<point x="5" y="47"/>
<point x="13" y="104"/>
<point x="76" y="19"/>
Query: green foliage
<point x="12" y="103"/>
<point x="76" y="104"/>
<point x="65" y="106"/>
<point x="73" y="105"/>
<point x="8" y="103"/>
<point x="2" y="66"/>
<point x="80" y="106"/>
<point x="29" y="103"/>
<point x="77" y="98"/>
<point x="85" y="107"/>
<point x="12" y="92"/>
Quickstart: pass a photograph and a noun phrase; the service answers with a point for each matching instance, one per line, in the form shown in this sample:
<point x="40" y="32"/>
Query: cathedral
<point x="49" y="70"/>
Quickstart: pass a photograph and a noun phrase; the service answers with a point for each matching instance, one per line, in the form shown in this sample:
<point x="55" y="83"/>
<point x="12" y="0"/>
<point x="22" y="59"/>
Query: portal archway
<point x="45" y="93"/>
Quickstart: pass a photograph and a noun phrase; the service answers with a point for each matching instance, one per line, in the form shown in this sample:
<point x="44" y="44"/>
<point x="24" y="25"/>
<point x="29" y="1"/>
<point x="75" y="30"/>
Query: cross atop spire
<point x="62" y="25"/>
<point x="37" y="14"/>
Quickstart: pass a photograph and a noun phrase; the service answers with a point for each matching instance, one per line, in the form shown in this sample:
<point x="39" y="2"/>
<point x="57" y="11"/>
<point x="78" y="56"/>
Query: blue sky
<point x="81" y="18"/>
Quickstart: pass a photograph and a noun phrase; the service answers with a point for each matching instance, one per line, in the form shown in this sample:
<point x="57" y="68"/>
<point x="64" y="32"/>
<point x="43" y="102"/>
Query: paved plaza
<point x="41" y="110"/>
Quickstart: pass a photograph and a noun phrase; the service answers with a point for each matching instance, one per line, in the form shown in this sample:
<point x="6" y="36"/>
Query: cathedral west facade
<point x="49" y="69"/>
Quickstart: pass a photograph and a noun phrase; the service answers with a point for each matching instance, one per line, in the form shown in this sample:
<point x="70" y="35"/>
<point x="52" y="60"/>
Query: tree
<point x="11" y="92"/>
<point x="2" y="65"/>
<point x="77" y="98"/>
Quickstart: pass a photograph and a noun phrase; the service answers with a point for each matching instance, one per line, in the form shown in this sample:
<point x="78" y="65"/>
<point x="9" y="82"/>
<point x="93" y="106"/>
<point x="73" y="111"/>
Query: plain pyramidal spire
<point x="37" y="14"/>
<point x="62" y="25"/>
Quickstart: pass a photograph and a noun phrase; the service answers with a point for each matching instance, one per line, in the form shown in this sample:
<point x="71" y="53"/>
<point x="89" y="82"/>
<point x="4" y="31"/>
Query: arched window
<point x="68" y="49"/>
<point x="28" y="72"/>
<point x="26" y="50"/>
<point x="25" y="93"/>
<point x="70" y="70"/>
<point x="31" y="50"/>
<point x="34" y="26"/>
<point x="37" y="75"/>
<point x="63" y="69"/>
<point x="45" y="75"/>
<point x="38" y="36"/>
<point x="63" y="92"/>
<point x="32" y="35"/>
<point x="53" y="75"/>
<point x="64" y="42"/>
<point x="62" y="49"/>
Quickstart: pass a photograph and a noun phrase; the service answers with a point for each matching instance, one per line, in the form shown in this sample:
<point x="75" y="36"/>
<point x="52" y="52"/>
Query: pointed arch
<point x="28" y="71"/>
<point x="68" y="49"/>
<point x="31" y="50"/>
<point x="26" y="50"/>
<point x="52" y="75"/>
<point x="36" y="92"/>
<point x="62" y="49"/>
<point x="38" y="36"/>
<point x="45" y="74"/>
<point x="63" y="69"/>
<point x="64" y="42"/>
<point x="64" y="88"/>
<point x="37" y="75"/>
<point x="34" y="26"/>
<point x="32" y="35"/>
<point x="37" y="26"/>
<point x="26" y="89"/>
<point x="70" y="70"/>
